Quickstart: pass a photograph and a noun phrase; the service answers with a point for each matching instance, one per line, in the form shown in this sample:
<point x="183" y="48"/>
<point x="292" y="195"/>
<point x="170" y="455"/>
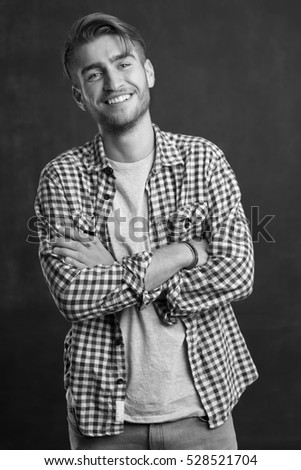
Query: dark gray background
<point x="228" y="70"/>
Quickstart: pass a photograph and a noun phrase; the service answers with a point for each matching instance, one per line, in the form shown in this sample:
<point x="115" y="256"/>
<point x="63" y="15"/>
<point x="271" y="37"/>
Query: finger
<point x="76" y="264"/>
<point x="201" y="241"/>
<point x="61" y="233"/>
<point x="67" y="253"/>
<point x="73" y="233"/>
<point x="67" y="243"/>
<point x="81" y="236"/>
<point x="64" y="231"/>
<point x="72" y="245"/>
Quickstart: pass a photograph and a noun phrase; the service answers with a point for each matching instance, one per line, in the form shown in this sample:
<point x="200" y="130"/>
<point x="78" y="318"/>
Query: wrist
<point x="194" y="255"/>
<point x="182" y="254"/>
<point x="178" y="252"/>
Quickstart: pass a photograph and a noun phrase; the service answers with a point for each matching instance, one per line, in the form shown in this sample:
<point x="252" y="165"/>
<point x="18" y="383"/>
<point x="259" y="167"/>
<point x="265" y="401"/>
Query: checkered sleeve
<point x="228" y="274"/>
<point x="87" y="293"/>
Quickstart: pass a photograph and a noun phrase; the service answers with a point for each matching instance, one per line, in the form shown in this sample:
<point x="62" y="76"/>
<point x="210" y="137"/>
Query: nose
<point x="112" y="80"/>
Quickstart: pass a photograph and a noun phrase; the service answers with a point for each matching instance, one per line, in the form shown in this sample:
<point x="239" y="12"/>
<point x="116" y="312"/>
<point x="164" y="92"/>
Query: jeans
<point x="188" y="433"/>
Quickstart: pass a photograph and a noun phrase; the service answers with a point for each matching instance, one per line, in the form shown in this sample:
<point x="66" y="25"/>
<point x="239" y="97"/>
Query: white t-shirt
<point x="159" y="381"/>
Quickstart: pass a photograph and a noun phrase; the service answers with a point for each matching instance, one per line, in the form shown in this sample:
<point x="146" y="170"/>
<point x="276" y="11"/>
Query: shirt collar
<point x="167" y="153"/>
<point x="95" y="158"/>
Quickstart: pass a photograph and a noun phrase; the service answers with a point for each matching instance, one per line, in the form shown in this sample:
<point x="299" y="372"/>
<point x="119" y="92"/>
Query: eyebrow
<point x="112" y="60"/>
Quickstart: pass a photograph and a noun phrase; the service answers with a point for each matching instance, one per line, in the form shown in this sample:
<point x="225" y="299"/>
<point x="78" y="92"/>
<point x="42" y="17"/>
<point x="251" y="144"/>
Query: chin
<point x="118" y="128"/>
<point x="119" y="125"/>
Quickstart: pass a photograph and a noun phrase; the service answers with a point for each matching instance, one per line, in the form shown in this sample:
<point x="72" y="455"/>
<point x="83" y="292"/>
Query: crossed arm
<point x="166" y="261"/>
<point x="87" y="282"/>
<point x="83" y="277"/>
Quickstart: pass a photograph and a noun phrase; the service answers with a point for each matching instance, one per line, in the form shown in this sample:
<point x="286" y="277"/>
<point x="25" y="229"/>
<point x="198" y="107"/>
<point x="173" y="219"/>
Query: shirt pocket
<point x="187" y="222"/>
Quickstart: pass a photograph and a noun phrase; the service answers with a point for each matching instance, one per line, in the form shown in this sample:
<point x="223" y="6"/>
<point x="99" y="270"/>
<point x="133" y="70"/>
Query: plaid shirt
<point x="192" y="192"/>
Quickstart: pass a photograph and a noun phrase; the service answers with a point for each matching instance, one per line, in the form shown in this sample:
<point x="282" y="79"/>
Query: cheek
<point x="144" y="82"/>
<point x="137" y="78"/>
<point x="92" y="96"/>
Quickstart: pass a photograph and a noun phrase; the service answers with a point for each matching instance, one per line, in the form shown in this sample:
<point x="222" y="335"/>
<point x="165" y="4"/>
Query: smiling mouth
<point x="118" y="99"/>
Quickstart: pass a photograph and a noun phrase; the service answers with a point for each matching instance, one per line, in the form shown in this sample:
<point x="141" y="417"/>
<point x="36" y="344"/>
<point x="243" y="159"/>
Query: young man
<point x="144" y="245"/>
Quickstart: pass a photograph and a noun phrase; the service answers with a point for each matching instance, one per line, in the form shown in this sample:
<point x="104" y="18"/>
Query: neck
<point x="132" y="145"/>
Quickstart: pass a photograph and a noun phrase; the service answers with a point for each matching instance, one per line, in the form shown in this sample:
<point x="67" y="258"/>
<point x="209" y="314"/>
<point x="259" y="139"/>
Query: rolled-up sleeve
<point x="82" y="294"/>
<point x="228" y="274"/>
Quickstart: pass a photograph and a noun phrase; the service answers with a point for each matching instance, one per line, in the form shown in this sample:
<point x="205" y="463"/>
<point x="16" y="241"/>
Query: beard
<point x="122" y="122"/>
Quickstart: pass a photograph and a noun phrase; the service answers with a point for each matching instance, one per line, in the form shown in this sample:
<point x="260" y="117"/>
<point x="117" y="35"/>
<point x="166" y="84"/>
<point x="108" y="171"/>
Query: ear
<point x="78" y="97"/>
<point x="150" y="73"/>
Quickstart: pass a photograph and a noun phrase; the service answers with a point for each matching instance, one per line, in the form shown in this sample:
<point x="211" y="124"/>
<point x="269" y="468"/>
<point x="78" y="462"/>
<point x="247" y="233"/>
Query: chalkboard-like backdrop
<point x="226" y="70"/>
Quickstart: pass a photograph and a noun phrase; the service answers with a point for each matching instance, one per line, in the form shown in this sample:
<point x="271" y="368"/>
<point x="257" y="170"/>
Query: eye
<point x="92" y="77"/>
<point x="124" y="65"/>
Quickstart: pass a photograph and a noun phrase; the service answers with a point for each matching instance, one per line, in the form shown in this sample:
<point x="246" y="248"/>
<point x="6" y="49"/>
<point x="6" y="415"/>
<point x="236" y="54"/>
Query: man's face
<point x="111" y="84"/>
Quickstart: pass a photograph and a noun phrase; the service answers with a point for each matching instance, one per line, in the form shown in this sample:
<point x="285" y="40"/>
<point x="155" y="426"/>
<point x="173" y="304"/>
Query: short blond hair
<point x="94" y="25"/>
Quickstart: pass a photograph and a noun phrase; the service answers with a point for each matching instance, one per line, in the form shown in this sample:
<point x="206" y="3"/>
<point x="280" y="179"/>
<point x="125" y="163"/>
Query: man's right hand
<point x="79" y="250"/>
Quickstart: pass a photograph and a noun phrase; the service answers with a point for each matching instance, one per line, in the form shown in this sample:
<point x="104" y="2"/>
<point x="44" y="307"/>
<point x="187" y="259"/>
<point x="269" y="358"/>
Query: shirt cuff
<point x="173" y="291"/>
<point x="134" y="269"/>
<point x="150" y="296"/>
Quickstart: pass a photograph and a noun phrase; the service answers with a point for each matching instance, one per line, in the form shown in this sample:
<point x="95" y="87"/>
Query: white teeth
<point x="119" y="99"/>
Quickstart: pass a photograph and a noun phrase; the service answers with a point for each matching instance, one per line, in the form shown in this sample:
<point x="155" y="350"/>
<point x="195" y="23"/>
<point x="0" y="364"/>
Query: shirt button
<point x="106" y="196"/>
<point x="118" y="342"/>
<point x="187" y="223"/>
<point x="109" y="170"/>
<point x="119" y="381"/>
